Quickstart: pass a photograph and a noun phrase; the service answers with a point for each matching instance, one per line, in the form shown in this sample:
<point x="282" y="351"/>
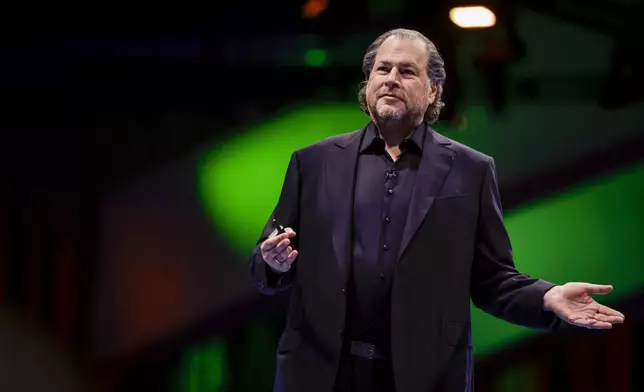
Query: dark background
<point x="107" y="107"/>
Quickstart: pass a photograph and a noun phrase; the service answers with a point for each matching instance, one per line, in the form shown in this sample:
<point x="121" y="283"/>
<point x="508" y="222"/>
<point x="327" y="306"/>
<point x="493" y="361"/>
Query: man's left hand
<point x="573" y="303"/>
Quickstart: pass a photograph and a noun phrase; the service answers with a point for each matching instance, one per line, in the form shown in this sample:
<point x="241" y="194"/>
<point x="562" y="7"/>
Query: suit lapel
<point x="340" y="171"/>
<point x="435" y="164"/>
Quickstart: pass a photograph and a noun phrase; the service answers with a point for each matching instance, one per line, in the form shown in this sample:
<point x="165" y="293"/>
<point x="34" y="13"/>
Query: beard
<point x="390" y="113"/>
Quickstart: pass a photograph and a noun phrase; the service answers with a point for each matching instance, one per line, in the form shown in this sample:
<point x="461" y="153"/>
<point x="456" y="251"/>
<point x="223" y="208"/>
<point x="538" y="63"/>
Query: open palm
<point x="573" y="303"/>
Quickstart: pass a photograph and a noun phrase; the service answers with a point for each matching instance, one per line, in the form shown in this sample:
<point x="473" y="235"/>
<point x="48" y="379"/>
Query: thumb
<point x="598" y="288"/>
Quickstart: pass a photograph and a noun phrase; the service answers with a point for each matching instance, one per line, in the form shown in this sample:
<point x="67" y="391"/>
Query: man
<point x="395" y="228"/>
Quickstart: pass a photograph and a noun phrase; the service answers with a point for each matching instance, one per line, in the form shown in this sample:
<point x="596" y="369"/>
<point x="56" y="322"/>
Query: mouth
<point x="391" y="96"/>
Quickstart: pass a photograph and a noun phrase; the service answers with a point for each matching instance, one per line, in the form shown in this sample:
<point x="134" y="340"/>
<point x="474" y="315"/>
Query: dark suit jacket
<point x="455" y="248"/>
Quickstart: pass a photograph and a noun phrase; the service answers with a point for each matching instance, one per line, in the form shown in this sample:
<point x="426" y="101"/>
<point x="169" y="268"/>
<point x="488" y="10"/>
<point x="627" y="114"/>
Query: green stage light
<point x="240" y="180"/>
<point x="204" y="368"/>
<point x="589" y="233"/>
<point x="315" y="57"/>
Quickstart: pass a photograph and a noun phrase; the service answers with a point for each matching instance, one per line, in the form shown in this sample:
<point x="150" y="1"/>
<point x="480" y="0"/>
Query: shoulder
<point x="469" y="161"/>
<point x="339" y="140"/>
<point x="464" y="152"/>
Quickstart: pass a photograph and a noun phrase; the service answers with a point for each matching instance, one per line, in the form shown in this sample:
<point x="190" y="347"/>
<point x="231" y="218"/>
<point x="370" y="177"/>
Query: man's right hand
<point x="277" y="252"/>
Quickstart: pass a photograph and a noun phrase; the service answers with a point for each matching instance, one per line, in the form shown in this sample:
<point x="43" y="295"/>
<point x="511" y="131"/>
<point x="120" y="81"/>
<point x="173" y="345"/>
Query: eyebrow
<point x="402" y="64"/>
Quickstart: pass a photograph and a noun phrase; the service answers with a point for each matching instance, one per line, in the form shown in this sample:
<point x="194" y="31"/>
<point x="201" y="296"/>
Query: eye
<point x="382" y="68"/>
<point x="408" y="72"/>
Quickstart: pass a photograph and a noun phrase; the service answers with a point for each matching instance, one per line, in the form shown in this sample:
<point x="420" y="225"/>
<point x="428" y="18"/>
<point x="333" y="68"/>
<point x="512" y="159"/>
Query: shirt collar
<point x="372" y="140"/>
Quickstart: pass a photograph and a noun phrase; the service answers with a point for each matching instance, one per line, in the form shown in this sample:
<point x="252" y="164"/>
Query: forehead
<point x="402" y="50"/>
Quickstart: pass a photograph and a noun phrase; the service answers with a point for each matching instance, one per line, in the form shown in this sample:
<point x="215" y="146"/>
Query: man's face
<point x="398" y="87"/>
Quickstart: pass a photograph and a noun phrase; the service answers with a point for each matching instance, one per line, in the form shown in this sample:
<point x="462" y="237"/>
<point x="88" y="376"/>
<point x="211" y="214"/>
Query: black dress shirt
<point x="383" y="191"/>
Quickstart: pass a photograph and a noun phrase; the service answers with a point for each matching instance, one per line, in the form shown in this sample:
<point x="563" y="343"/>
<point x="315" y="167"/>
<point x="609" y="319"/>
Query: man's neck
<point x="393" y="133"/>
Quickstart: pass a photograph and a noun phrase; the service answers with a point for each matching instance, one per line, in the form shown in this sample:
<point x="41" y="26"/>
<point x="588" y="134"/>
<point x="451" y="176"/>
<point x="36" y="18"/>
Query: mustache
<point x="390" y="94"/>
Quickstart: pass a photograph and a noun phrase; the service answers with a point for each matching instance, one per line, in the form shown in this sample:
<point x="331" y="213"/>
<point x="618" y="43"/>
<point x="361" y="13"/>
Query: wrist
<point x="549" y="298"/>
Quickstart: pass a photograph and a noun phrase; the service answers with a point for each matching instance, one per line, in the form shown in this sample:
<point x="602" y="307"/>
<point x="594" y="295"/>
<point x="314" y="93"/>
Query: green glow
<point x="315" y="57"/>
<point x="240" y="180"/>
<point x="519" y="377"/>
<point x="589" y="233"/>
<point x="204" y="368"/>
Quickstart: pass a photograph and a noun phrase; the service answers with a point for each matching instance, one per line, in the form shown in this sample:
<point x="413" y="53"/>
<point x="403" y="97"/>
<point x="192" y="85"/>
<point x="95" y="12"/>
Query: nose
<point x="392" y="79"/>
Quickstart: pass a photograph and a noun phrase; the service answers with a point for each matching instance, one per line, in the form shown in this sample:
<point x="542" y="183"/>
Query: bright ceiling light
<point x="472" y="17"/>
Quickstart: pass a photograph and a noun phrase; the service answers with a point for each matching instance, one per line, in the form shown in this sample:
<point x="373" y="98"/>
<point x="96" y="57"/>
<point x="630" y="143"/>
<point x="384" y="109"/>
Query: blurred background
<point x="144" y="148"/>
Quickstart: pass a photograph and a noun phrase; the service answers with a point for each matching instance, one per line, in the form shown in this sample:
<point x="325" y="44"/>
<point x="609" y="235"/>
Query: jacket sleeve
<point x="496" y="286"/>
<point x="265" y="279"/>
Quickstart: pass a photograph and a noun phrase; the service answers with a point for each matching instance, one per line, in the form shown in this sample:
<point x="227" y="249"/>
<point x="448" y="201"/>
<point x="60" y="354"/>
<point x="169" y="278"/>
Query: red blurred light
<point x="313" y="8"/>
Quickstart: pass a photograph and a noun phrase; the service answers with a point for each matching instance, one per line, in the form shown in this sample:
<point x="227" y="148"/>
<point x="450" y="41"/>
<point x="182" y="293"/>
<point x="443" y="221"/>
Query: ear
<point x="431" y="93"/>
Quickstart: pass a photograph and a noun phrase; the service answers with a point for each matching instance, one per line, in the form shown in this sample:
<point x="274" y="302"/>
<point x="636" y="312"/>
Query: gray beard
<point x="388" y="116"/>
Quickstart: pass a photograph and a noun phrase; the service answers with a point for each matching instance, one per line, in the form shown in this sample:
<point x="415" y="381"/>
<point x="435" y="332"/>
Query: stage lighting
<point x="472" y="17"/>
<point x="313" y="8"/>
<point x="315" y="57"/>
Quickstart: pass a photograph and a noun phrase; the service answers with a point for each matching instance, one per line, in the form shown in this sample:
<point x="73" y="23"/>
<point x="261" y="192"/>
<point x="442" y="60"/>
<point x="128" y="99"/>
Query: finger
<point x="609" y="312"/>
<point x="281" y="267"/>
<point x="609" y="319"/>
<point x="582" y="322"/>
<point x="283" y="255"/>
<point x="591" y="323"/>
<point x="286" y="265"/>
<point x="291" y="257"/>
<point x="272" y="247"/>
<point x="598" y="288"/>
<point x="280" y="247"/>
<point x="288" y="260"/>
<point x="290" y="232"/>
<point x="601" y="325"/>
<point x="271" y="242"/>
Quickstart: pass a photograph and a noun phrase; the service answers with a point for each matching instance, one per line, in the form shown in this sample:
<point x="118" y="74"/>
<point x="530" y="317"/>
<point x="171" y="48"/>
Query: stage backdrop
<point x="175" y="242"/>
